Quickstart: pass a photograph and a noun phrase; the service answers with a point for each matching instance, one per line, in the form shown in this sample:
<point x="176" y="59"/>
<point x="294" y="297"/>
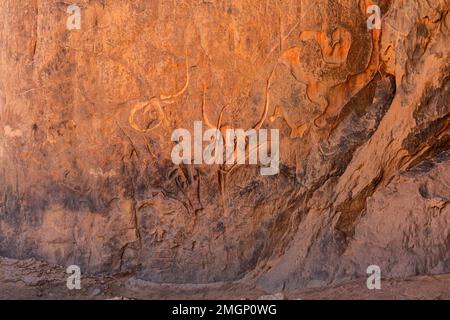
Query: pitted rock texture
<point x="33" y="279"/>
<point x="86" y="118"/>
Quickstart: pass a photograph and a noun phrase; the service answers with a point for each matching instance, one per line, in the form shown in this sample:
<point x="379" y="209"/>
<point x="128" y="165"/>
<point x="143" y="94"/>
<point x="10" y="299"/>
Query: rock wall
<point x="86" y="118"/>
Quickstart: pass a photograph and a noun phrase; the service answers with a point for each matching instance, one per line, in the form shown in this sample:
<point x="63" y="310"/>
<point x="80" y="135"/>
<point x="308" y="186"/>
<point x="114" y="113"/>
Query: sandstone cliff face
<point x="86" y="118"/>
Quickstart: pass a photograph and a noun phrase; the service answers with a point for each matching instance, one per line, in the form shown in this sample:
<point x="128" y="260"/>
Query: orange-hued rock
<point x="86" y="119"/>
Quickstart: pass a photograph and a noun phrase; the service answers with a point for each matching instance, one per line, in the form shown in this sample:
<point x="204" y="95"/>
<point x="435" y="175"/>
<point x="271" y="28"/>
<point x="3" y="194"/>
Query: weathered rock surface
<point x="86" y="174"/>
<point x="46" y="281"/>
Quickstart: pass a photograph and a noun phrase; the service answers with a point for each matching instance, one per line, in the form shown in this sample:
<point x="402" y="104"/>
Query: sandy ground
<point x="32" y="279"/>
